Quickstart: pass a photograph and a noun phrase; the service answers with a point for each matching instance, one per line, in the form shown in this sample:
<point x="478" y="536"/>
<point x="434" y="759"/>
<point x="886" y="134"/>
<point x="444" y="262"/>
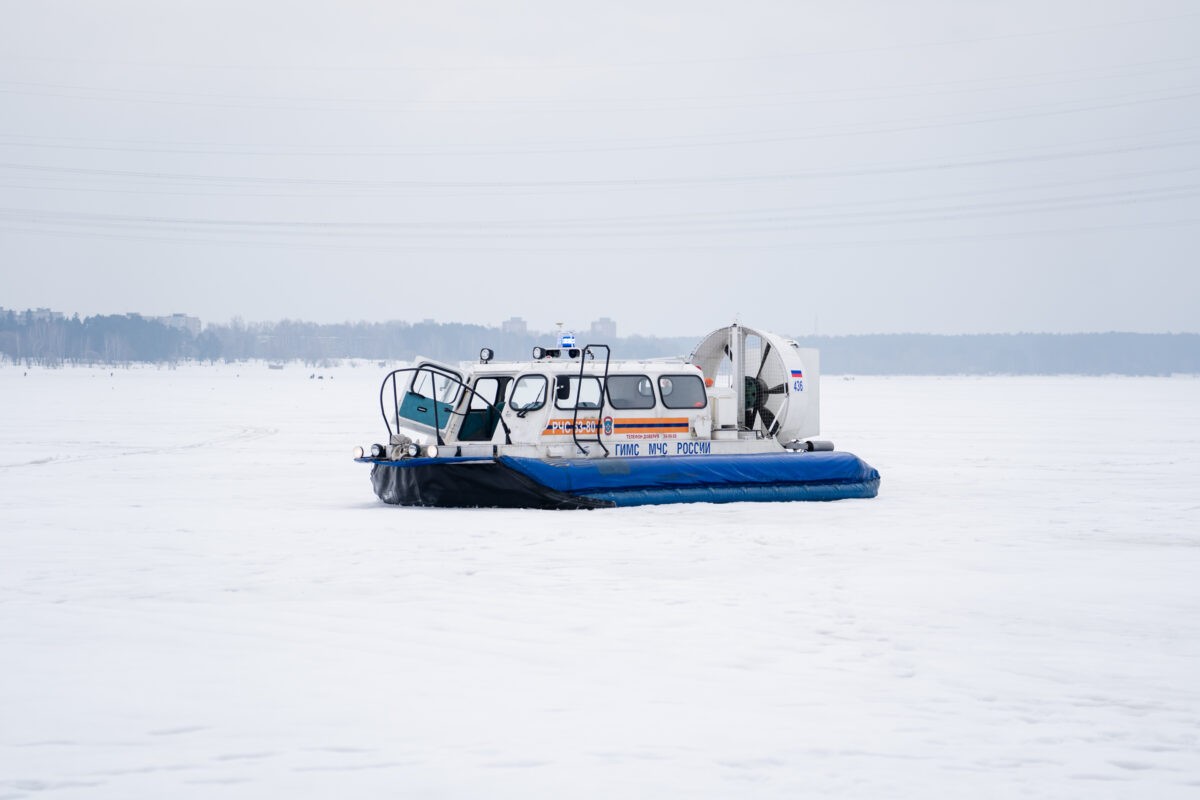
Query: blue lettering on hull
<point x="662" y="448"/>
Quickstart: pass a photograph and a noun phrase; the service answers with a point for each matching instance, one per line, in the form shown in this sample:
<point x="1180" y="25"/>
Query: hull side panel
<point x="603" y="475"/>
<point x="763" y="493"/>
<point x="467" y="483"/>
<point x="512" y="482"/>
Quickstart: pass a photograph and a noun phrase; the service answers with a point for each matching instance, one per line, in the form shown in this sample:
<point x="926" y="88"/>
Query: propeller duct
<point x="773" y="380"/>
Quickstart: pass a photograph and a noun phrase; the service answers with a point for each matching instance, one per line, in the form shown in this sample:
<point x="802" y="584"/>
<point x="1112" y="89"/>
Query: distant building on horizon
<point x="603" y="328"/>
<point x="182" y="322"/>
<point x="44" y="315"/>
<point x="514" y="325"/>
<point x="34" y="314"/>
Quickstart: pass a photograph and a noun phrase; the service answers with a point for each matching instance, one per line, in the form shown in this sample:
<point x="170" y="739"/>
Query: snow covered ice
<point x="200" y="596"/>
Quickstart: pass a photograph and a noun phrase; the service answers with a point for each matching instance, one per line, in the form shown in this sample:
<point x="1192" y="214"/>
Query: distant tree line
<point x="1010" y="354"/>
<point x="34" y="339"/>
<point x="122" y="339"/>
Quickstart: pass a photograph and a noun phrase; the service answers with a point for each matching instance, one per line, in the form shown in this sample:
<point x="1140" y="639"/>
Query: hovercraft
<point x="571" y="428"/>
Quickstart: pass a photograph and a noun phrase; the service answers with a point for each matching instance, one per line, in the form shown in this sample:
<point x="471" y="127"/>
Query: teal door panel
<point x="416" y="408"/>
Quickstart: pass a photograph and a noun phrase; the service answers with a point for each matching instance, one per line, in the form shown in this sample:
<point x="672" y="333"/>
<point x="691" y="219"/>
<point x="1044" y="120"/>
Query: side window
<point x="568" y="390"/>
<point x="630" y="391"/>
<point x="486" y="391"/>
<point x="529" y="393"/>
<point x="435" y="384"/>
<point x="682" y="391"/>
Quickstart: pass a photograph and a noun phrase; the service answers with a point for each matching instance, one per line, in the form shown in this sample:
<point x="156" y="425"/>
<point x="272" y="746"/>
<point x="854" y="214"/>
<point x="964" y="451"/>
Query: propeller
<point x="765" y="401"/>
<point x="757" y="394"/>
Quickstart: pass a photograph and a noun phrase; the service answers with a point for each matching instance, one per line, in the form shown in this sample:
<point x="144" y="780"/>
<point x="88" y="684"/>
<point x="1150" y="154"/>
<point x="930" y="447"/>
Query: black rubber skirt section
<point x="467" y="484"/>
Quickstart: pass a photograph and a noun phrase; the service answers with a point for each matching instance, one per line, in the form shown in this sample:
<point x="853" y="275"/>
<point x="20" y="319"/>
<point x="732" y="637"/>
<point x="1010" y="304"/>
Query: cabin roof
<point x="558" y="366"/>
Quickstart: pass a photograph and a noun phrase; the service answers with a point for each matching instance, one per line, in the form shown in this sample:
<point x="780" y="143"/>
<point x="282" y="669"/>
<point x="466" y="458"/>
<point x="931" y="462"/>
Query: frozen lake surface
<point x="201" y="597"/>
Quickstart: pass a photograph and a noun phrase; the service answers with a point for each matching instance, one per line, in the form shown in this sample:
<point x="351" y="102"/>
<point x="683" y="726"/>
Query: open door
<point x="484" y="408"/>
<point x="429" y="399"/>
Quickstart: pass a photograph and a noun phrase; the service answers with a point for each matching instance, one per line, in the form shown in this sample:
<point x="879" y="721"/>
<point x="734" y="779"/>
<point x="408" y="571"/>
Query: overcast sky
<point x="834" y="167"/>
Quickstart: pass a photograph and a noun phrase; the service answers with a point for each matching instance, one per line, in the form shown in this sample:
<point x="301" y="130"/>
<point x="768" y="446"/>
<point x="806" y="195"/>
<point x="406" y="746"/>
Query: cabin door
<point x="428" y="404"/>
<point x="484" y="408"/>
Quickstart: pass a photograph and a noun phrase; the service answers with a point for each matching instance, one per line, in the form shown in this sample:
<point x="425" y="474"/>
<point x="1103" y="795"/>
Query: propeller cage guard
<point x="779" y="381"/>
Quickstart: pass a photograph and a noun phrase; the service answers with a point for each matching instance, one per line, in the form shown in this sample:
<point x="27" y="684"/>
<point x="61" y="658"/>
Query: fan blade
<point x="769" y="421"/>
<point x="780" y="389"/>
<point x="763" y="363"/>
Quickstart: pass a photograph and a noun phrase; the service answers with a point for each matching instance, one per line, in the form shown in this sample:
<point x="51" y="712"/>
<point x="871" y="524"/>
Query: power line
<point x="702" y="225"/>
<point x="638" y="183"/>
<point x="633" y="64"/>
<point x="605" y="104"/>
<point x="788" y="245"/>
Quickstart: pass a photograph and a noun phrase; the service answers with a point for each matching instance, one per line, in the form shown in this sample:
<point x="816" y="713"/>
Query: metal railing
<point x="583" y="357"/>
<point x="434" y="373"/>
